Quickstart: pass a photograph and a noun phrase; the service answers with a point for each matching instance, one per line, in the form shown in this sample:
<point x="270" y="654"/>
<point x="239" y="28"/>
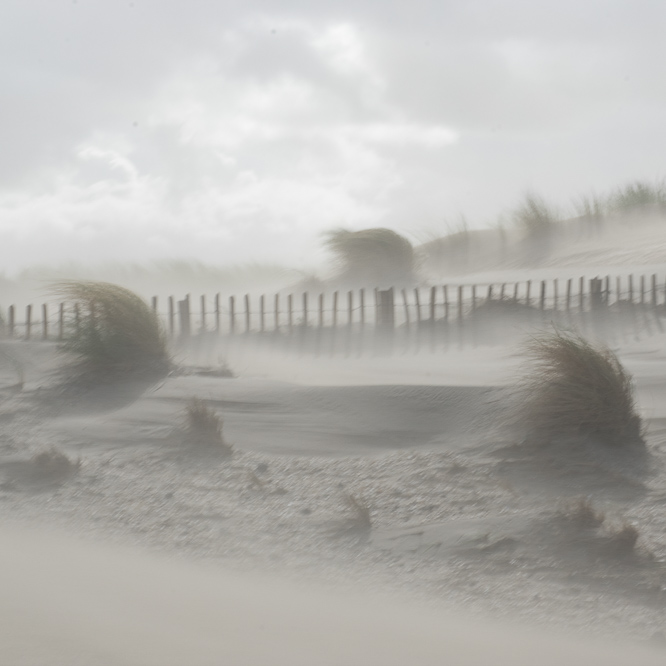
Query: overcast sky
<point x="240" y="131"/>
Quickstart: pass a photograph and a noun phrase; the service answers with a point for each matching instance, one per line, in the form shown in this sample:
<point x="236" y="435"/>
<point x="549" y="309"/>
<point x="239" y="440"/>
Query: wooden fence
<point x="436" y="316"/>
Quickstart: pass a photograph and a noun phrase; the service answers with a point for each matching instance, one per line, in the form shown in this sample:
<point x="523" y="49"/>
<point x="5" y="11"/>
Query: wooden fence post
<point x="290" y="312"/>
<point x="542" y="296"/>
<point x="61" y="321"/>
<point x="184" y="317"/>
<point x="203" y="313"/>
<point x="45" y="321"/>
<point x="642" y="289"/>
<point x="596" y="294"/>
<point x="502" y="289"/>
<point x="276" y="306"/>
<point x="528" y="289"/>
<point x="417" y="298"/>
<point x="386" y="309"/>
<point x="555" y="294"/>
<point x="247" y="313"/>
<point x="232" y="315"/>
<point x="473" y="297"/>
<point x="153" y="304"/>
<point x="581" y="294"/>
<point x="654" y="290"/>
<point x="172" y="316"/>
<point x="11" y="316"/>
<point x="489" y="296"/>
<point x="631" y="288"/>
<point x="217" y="312"/>
<point x="321" y="310"/>
<point x="515" y="291"/>
<point x="618" y="289"/>
<point x="28" y="321"/>
<point x="433" y="301"/>
<point x="262" y="314"/>
<point x="446" y="303"/>
<point x="362" y="306"/>
<point x="350" y="308"/>
<point x="405" y="305"/>
<point x="335" y="309"/>
<point x="305" y="309"/>
<point x="568" y="305"/>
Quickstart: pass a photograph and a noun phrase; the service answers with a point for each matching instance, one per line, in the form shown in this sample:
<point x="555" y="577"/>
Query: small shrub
<point x="51" y="465"/>
<point x="622" y="540"/>
<point x="115" y="330"/>
<point x="203" y="427"/>
<point x="581" y="512"/>
<point x="358" y="524"/>
<point x="576" y="388"/>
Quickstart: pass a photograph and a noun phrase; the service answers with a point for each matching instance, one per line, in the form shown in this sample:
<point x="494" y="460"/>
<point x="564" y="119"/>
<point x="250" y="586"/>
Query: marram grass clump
<point x="203" y="428"/>
<point x="574" y="388"/>
<point x="111" y="329"/>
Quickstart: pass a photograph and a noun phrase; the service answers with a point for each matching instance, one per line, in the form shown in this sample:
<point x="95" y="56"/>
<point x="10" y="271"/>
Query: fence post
<point x="386" y="309"/>
<point x="28" y="321"/>
<point x="171" y="316"/>
<point x="362" y="306"/>
<point x="569" y="283"/>
<point x="515" y="291"/>
<point x="45" y="321"/>
<point x="321" y="310"/>
<point x="618" y="289"/>
<point x="489" y="296"/>
<point x="77" y="318"/>
<point x="217" y="312"/>
<point x="473" y="297"/>
<point x="631" y="288"/>
<point x="262" y="316"/>
<point x="642" y="289"/>
<point x="350" y="308"/>
<point x="232" y="315"/>
<point x="405" y="305"/>
<point x="305" y="309"/>
<point x="247" y="313"/>
<point x="290" y="312"/>
<point x="153" y="304"/>
<point x="607" y="290"/>
<point x="433" y="301"/>
<point x="555" y="294"/>
<point x="417" y="298"/>
<point x="542" y="296"/>
<point x="502" y="289"/>
<point x="446" y="303"/>
<point x="581" y="294"/>
<point x="184" y="317"/>
<point x="61" y="321"/>
<point x="654" y="290"/>
<point x="11" y="315"/>
<point x="596" y="294"/>
<point x="276" y="305"/>
<point x="528" y="292"/>
<point x="203" y="313"/>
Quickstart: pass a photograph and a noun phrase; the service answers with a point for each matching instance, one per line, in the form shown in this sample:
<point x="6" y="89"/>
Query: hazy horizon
<point x="229" y="134"/>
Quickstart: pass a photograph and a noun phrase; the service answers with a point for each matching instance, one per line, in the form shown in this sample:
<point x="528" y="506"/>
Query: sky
<point x="240" y="132"/>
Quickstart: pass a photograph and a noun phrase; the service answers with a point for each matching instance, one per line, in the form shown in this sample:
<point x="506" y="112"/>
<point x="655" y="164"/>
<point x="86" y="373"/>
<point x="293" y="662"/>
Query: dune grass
<point x="575" y="388"/>
<point x="115" y="330"/>
<point x="374" y="256"/>
<point x="203" y="427"/>
<point x="536" y="218"/>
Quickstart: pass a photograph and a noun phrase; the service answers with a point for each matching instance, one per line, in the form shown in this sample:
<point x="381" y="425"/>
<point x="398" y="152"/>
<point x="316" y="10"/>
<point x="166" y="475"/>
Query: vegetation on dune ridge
<point x="373" y="256"/>
<point x="575" y="388"/>
<point x="115" y="331"/>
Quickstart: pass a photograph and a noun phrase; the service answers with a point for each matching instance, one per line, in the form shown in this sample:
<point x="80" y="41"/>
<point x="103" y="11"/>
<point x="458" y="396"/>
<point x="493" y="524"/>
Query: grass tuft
<point x="203" y="427"/>
<point x="358" y="524"/>
<point x="581" y="512"/>
<point x="115" y="331"/>
<point x="52" y="465"/>
<point x="622" y="540"/>
<point x="575" y="388"/>
<point x="535" y="217"/>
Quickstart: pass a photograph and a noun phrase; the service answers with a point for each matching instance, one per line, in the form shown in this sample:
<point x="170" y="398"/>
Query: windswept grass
<point x="358" y="525"/>
<point x="116" y="331"/>
<point x="575" y="388"/>
<point x="536" y="218"/>
<point x="203" y="427"/>
<point x="373" y="256"/>
<point x="638" y="197"/>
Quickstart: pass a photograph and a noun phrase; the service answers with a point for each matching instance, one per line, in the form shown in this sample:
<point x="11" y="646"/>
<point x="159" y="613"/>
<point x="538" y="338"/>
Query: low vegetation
<point x="52" y="465"/>
<point x="203" y="428"/>
<point x="373" y="256"/>
<point x="358" y="524"/>
<point x="575" y="388"/>
<point x="112" y="330"/>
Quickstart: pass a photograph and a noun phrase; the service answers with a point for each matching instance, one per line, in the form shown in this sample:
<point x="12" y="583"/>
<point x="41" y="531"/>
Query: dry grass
<point x="574" y="388"/>
<point x="203" y="427"/>
<point x="622" y="539"/>
<point x="581" y="512"/>
<point x="358" y="524"/>
<point x="52" y="465"/>
<point x="116" y="331"/>
<point x="378" y="257"/>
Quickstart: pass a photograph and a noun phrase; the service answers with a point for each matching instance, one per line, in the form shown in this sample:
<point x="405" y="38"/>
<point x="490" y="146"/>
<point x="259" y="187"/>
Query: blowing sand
<point x="349" y="479"/>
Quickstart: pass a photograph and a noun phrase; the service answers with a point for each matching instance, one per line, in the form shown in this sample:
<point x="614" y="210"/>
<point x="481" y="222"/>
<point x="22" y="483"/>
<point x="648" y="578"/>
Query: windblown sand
<point x="462" y="519"/>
